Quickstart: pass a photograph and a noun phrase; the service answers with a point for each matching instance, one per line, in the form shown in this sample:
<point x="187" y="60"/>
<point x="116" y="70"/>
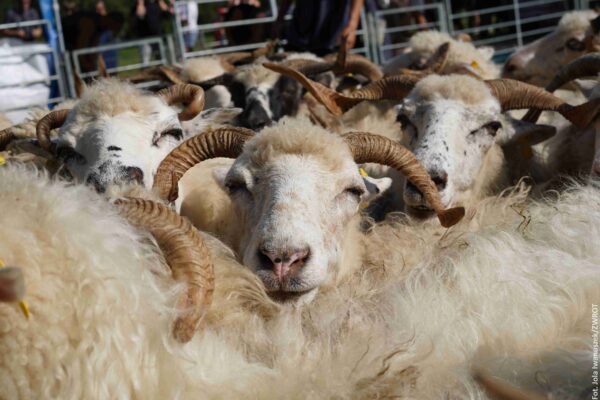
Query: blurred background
<point x="43" y="43"/>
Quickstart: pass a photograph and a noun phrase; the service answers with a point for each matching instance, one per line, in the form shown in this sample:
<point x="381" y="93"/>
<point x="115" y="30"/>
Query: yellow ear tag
<point x="475" y="65"/>
<point x="22" y="304"/>
<point x="364" y="174"/>
<point x="2" y="161"/>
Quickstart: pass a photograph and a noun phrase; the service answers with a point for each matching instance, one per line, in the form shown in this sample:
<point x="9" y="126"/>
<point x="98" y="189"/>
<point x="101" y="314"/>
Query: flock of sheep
<point x="275" y="225"/>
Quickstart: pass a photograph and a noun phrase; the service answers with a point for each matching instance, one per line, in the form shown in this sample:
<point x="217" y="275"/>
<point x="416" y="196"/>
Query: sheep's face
<point x="538" y="62"/>
<point x="295" y="211"/>
<point x="264" y="95"/>
<point x="451" y="139"/>
<point x="122" y="148"/>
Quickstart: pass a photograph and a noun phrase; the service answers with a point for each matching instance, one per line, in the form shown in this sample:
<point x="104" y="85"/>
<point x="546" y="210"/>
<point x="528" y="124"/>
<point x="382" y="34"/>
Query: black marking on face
<point x="114" y="148"/>
<point x="284" y="97"/>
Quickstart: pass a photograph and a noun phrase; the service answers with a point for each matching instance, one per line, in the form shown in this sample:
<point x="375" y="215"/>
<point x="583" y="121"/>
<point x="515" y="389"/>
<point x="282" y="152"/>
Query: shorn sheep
<point x="514" y="299"/>
<point x="457" y="127"/>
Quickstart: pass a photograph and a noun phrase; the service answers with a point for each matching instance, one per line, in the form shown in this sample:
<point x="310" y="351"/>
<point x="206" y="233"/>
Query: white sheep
<point x="513" y="298"/>
<point x="458" y="129"/>
<point x="538" y="62"/>
<point x="463" y="57"/>
<point x="117" y="133"/>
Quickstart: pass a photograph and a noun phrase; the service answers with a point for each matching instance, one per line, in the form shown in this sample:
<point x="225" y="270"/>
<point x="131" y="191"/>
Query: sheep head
<point x="296" y="189"/>
<point x="118" y="134"/>
<point x="456" y="127"/>
<point x="538" y="62"/>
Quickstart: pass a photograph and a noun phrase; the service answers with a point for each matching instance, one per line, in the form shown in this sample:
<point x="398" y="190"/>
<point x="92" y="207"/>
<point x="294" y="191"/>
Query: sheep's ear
<point x="220" y="116"/>
<point x="586" y="86"/>
<point x="467" y="69"/>
<point x="219" y="175"/>
<point x="375" y="187"/>
<point x="516" y="132"/>
<point x="487" y="52"/>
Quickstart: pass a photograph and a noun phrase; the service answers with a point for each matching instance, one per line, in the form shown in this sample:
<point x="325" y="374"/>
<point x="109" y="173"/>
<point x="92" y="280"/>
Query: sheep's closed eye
<point x="575" y="45"/>
<point x="176" y="133"/>
<point x="490" y="128"/>
<point x="236" y="186"/>
<point x="355" y="191"/>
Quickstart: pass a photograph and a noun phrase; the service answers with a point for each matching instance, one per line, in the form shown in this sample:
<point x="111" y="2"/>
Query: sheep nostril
<point x="440" y="180"/>
<point x="135" y="174"/>
<point x="510" y="68"/>
<point x="285" y="262"/>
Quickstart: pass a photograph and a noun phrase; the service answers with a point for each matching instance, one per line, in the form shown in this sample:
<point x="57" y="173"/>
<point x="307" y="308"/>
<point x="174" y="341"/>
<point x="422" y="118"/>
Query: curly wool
<point x="493" y="290"/>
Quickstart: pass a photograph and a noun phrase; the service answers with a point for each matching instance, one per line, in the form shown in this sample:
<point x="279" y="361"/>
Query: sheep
<point x="117" y="133"/>
<point x="573" y="150"/>
<point x="463" y="57"/>
<point x="456" y="127"/>
<point x="538" y="62"/>
<point x="507" y="296"/>
<point x="295" y="165"/>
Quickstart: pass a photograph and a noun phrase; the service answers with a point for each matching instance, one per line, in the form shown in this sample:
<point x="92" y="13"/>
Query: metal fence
<point x="207" y="32"/>
<point x="382" y="34"/>
<point x="55" y="70"/>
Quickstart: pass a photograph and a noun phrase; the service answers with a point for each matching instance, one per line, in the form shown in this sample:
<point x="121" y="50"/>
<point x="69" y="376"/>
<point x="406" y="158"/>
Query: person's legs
<point x="146" y="51"/>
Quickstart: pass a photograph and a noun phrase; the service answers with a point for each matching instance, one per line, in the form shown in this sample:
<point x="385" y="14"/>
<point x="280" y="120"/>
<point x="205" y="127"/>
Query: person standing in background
<point x="148" y="15"/>
<point x="22" y="13"/>
<point x="318" y="26"/>
<point x="188" y="14"/>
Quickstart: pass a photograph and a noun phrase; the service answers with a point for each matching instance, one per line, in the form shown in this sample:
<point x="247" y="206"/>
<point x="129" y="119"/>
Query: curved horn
<point x="514" y="95"/>
<point x="222" y="142"/>
<point x="502" y="390"/>
<point x="587" y="65"/>
<point x="6" y="136"/>
<point x="367" y="148"/>
<point x="224" y="79"/>
<point x="185" y="93"/>
<point x="229" y="60"/>
<point x="102" y="71"/>
<point x="52" y="120"/>
<point x="389" y="88"/>
<point x="185" y="252"/>
<point x="438" y="59"/>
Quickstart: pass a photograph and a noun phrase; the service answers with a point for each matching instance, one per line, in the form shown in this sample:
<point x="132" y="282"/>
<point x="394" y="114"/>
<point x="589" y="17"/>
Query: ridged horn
<point x="80" y="85"/>
<point x="52" y="120"/>
<point x="221" y="142"/>
<point x="6" y="136"/>
<point x="514" y="95"/>
<point x="587" y="65"/>
<point x="191" y="95"/>
<point x="438" y="59"/>
<point x="502" y="390"/>
<point x="370" y="148"/>
<point x="389" y="88"/>
<point x="186" y="254"/>
<point x="102" y="71"/>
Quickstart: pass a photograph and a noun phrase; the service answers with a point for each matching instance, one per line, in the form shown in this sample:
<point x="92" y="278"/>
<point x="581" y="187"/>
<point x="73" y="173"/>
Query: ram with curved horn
<point x="296" y="193"/>
<point x="185" y="253"/>
<point x="576" y="151"/>
<point x="446" y="119"/>
<point x="117" y="134"/>
<point x="461" y="57"/>
<point x="538" y="63"/>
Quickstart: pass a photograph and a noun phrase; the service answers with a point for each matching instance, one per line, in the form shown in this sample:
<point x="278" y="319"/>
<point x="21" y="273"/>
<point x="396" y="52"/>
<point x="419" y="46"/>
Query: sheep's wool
<point x="514" y="297"/>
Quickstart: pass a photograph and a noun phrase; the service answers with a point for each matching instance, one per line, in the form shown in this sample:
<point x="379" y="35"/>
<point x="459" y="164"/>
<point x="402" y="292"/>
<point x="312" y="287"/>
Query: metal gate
<point x="55" y="76"/>
<point x="209" y="45"/>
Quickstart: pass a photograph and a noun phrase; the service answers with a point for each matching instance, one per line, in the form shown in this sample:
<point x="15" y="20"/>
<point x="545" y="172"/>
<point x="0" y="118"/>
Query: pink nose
<point x="287" y="262"/>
